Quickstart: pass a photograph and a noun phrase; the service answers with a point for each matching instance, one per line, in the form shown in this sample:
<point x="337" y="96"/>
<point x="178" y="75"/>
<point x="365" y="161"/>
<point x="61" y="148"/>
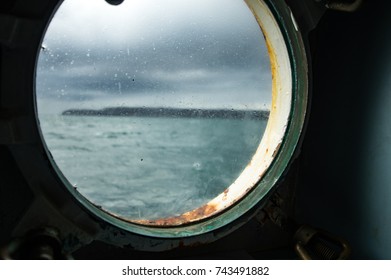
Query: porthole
<point x="171" y="119"/>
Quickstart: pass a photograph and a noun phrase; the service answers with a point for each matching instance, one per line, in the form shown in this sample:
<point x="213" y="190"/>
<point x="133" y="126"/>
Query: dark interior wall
<point x="345" y="179"/>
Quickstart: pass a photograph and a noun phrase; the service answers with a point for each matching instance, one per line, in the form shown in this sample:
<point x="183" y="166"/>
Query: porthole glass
<point x="163" y="112"/>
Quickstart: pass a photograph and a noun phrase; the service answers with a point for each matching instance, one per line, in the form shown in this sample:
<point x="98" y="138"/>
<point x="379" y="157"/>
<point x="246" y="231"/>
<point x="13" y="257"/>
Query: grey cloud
<point x="189" y="60"/>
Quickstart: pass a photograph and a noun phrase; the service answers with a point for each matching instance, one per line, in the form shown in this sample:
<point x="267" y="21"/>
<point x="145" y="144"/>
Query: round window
<point x="161" y="114"/>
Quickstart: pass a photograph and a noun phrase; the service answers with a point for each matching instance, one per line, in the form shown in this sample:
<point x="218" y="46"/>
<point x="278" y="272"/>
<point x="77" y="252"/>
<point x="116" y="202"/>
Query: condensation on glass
<point x="160" y="112"/>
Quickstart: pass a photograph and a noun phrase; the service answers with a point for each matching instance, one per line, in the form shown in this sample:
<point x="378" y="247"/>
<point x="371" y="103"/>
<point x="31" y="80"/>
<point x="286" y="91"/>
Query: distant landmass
<point x="169" y="112"/>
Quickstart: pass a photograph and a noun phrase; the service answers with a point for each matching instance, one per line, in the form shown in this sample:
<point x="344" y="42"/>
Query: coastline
<point x="169" y="112"/>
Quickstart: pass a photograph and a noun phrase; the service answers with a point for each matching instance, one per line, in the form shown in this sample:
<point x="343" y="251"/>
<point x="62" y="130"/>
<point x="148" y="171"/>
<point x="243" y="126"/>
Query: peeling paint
<point x="188" y="217"/>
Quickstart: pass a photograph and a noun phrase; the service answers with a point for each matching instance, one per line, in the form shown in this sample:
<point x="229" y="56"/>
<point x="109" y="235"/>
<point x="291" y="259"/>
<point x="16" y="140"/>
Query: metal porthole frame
<point x="77" y="219"/>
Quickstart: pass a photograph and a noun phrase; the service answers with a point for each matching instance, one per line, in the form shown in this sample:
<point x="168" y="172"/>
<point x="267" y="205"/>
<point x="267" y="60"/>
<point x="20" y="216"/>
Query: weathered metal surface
<point x="344" y="6"/>
<point x="312" y="243"/>
<point x="188" y="217"/>
<point x="40" y="244"/>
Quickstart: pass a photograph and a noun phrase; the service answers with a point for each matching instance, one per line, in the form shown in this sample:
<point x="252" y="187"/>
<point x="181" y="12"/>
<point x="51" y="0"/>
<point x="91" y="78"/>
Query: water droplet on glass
<point x="197" y="166"/>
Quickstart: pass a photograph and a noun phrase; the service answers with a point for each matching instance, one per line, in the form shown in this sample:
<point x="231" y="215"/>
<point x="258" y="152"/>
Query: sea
<point x="150" y="167"/>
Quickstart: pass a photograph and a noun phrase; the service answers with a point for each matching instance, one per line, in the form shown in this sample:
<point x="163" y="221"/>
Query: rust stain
<point x="274" y="72"/>
<point x="225" y="194"/>
<point x="191" y="216"/>
<point x="276" y="150"/>
<point x="272" y="54"/>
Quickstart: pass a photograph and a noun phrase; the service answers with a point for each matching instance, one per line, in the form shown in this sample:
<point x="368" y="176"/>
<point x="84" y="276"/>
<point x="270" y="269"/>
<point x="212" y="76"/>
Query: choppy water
<point x="145" y="167"/>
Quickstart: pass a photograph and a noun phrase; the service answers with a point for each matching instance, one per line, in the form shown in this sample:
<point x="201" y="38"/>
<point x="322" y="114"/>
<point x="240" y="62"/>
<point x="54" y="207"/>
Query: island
<point x="170" y="112"/>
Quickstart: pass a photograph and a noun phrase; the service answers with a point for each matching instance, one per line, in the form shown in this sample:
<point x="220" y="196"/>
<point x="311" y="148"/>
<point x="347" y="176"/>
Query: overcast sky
<point x="174" y="53"/>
